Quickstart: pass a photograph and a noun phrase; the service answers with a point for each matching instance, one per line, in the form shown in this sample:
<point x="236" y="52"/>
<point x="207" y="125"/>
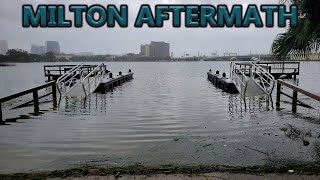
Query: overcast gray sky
<point x="123" y="40"/>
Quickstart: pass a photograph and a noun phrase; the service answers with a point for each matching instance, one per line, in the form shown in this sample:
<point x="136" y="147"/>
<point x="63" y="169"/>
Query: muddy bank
<point x="305" y="169"/>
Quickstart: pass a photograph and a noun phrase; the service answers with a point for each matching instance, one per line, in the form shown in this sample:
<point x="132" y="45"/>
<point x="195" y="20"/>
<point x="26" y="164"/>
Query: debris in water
<point x="305" y="142"/>
<point x="257" y="150"/>
<point x="295" y="133"/>
<point x="207" y="145"/>
<point x="117" y="175"/>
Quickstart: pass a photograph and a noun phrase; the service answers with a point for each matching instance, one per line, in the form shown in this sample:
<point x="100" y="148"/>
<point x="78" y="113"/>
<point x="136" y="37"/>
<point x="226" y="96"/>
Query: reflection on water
<point x="239" y="105"/>
<point x="90" y="105"/>
<point x="169" y="114"/>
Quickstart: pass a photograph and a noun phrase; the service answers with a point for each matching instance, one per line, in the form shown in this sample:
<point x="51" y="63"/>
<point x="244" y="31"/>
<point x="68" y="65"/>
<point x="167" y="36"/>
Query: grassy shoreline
<point x="305" y="169"/>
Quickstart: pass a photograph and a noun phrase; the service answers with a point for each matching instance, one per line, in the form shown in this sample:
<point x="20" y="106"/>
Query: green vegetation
<point x="305" y="38"/>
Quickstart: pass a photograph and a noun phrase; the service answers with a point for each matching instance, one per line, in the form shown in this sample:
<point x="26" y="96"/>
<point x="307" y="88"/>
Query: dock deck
<point x="291" y="69"/>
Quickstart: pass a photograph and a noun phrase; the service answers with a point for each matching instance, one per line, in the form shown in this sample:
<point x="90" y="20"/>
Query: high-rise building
<point x="38" y="49"/>
<point x="156" y="49"/>
<point x="53" y="46"/>
<point x="161" y="49"/>
<point x="3" y="47"/>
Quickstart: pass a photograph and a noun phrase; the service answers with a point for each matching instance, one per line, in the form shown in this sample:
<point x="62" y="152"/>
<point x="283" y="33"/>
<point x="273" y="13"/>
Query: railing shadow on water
<point x="94" y="104"/>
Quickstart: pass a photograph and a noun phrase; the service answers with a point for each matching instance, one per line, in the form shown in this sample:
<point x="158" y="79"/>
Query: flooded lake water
<point x="168" y="114"/>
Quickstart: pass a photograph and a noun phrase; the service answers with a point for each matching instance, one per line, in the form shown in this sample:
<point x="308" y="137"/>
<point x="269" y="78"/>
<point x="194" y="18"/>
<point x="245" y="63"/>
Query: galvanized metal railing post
<point x="294" y="101"/>
<point x="278" y="94"/>
<point x="36" y="101"/>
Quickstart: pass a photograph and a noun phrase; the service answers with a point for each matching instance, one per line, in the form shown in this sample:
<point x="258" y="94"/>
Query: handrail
<point x="13" y="96"/>
<point x="65" y="80"/>
<point x="294" y="96"/>
<point x="35" y="100"/>
<point x="240" y="82"/>
<point x="300" y="90"/>
<point x="266" y="79"/>
<point x="68" y="73"/>
<point x="100" y="70"/>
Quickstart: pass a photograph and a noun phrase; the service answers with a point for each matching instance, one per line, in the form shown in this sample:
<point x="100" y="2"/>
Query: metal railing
<point x="69" y="80"/>
<point x="239" y="78"/>
<point x="262" y="78"/>
<point x="91" y="82"/>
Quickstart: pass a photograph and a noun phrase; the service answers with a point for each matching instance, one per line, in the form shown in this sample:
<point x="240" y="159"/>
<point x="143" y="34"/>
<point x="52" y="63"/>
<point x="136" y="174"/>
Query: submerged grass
<point x="167" y="169"/>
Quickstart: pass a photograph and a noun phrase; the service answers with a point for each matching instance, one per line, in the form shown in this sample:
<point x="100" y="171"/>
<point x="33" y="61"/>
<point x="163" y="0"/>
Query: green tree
<point x="303" y="39"/>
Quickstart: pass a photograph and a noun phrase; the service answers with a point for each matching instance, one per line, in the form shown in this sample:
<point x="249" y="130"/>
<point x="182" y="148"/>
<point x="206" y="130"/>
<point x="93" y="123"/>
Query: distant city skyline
<point x="128" y="40"/>
<point x="42" y="49"/>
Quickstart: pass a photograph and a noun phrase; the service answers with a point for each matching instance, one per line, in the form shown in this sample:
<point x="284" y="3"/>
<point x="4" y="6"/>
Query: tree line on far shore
<point x="23" y="56"/>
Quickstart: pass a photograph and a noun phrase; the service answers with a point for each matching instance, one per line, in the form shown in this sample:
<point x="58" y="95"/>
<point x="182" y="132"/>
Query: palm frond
<point x="301" y="40"/>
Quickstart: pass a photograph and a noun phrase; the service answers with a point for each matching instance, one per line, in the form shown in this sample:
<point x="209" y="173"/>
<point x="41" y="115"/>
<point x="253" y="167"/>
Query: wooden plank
<point x="36" y="101"/>
<point x="294" y="101"/>
<point x="300" y="90"/>
<point x="1" y="118"/>
<point x="54" y="95"/>
<point x="8" y="98"/>
<point x="278" y="95"/>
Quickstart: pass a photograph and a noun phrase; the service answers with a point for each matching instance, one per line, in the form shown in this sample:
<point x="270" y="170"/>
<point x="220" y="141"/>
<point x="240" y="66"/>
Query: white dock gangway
<point x="251" y="79"/>
<point x="79" y="82"/>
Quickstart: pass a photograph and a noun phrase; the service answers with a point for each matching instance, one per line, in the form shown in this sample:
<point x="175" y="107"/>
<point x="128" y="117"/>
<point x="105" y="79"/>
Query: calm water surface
<point x="168" y="114"/>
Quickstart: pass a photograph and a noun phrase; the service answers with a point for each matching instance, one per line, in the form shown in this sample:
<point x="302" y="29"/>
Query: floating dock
<point x="249" y="79"/>
<point x="222" y="82"/>
<point x="70" y="80"/>
<point x="283" y="69"/>
<point x="82" y="80"/>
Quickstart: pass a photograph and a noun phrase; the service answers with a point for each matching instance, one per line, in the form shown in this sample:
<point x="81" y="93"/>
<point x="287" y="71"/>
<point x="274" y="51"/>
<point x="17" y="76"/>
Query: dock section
<point x="82" y="80"/>
<point x="249" y="79"/>
<point x="68" y="80"/>
<point x="222" y="82"/>
<point x="278" y="69"/>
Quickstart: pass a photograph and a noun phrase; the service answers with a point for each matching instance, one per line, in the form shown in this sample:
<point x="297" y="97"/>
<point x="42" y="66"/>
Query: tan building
<point x="155" y="49"/>
<point x="3" y="47"/>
